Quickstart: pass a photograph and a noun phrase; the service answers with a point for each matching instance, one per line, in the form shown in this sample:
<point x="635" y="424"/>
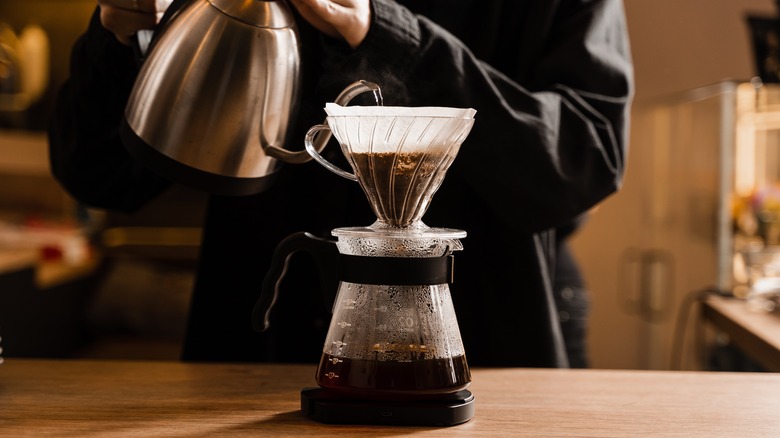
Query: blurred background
<point x="702" y="171"/>
<point x="74" y="281"/>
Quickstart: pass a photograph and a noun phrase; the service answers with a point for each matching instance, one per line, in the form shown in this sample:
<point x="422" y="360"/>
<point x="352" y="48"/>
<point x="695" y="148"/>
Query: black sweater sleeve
<point x="549" y="140"/>
<point x="86" y="154"/>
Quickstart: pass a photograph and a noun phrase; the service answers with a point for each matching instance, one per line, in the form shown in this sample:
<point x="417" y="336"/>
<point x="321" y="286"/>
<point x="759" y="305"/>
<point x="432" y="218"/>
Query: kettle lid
<point x="273" y="14"/>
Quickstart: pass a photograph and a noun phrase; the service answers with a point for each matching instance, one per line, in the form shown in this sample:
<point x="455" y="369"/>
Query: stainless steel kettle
<point x="214" y="97"/>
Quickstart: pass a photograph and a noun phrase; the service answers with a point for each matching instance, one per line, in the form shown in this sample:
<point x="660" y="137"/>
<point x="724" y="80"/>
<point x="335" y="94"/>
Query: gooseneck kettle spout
<point x="346" y="95"/>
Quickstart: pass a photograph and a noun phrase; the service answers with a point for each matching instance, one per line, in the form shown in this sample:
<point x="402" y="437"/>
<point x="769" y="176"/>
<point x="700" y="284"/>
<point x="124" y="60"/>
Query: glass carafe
<point x="395" y="340"/>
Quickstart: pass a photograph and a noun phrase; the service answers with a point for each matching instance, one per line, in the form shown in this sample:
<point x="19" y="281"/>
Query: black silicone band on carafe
<point x="396" y="271"/>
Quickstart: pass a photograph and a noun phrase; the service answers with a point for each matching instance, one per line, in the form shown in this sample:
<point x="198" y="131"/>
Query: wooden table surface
<point x="158" y="399"/>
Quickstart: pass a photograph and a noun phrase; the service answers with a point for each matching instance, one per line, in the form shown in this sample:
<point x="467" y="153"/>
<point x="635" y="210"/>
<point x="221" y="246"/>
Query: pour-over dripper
<point x="399" y="155"/>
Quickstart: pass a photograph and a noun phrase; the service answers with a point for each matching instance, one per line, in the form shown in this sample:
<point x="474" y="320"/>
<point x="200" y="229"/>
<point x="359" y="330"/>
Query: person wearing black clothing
<point x="551" y="81"/>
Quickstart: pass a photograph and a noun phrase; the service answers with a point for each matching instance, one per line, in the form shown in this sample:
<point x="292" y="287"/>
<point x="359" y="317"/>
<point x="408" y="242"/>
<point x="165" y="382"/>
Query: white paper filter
<point x="334" y="109"/>
<point x="379" y="129"/>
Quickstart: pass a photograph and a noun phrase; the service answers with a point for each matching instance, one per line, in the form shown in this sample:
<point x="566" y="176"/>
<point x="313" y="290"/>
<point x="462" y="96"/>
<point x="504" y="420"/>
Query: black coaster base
<point x="325" y="407"/>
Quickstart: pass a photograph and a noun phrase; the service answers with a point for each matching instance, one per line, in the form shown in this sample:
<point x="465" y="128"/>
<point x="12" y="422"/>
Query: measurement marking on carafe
<point x="335" y="360"/>
<point x="332" y="375"/>
<point x="350" y="304"/>
<point x="339" y="344"/>
<point x="344" y="324"/>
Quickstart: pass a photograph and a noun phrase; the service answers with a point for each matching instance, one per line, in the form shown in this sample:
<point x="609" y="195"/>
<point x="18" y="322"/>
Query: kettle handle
<point x="144" y="39"/>
<point x="319" y="143"/>
<point x="326" y="255"/>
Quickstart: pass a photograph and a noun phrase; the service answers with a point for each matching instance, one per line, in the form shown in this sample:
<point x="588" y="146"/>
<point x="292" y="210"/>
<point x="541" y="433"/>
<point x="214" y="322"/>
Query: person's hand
<point x="347" y="19"/>
<point x="124" y="18"/>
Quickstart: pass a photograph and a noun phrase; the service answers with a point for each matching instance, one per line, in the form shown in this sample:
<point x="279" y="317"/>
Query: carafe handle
<point x="314" y="146"/>
<point x="325" y="254"/>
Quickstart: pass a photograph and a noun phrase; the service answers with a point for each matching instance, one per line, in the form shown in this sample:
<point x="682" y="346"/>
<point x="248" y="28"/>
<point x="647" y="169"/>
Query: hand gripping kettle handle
<point x="326" y="256"/>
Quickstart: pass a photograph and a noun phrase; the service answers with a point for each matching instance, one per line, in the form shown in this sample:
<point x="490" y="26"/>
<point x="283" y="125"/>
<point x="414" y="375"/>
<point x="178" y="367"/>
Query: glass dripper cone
<point x="399" y="154"/>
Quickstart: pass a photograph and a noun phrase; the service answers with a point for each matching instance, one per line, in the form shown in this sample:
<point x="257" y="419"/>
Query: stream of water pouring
<point x="380" y="101"/>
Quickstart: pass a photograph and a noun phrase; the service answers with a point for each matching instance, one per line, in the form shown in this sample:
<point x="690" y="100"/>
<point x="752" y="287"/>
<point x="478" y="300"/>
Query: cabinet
<point x="669" y="233"/>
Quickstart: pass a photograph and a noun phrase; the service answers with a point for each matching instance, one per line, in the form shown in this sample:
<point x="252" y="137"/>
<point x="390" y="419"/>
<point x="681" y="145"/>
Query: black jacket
<point x="551" y="81"/>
